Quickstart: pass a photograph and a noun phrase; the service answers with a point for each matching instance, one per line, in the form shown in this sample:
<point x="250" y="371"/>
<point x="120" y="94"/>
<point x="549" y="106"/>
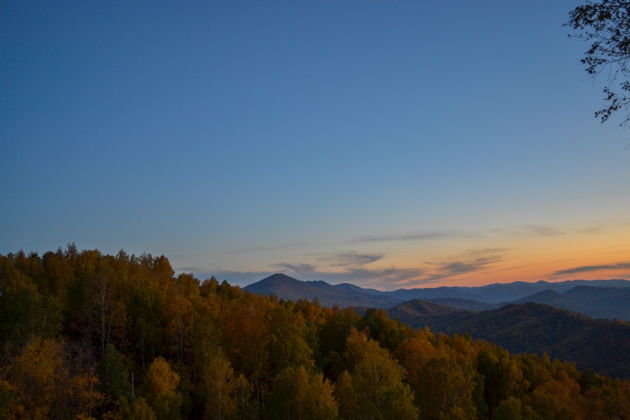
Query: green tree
<point x="24" y="311"/>
<point x="502" y="377"/>
<point x="299" y="395"/>
<point x="444" y="389"/>
<point x="388" y="332"/>
<point x="332" y="339"/>
<point x="226" y="392"/>
<point x="115" y="373"/>
<point x="374" y="388"/>
<point x="287" y="343"/>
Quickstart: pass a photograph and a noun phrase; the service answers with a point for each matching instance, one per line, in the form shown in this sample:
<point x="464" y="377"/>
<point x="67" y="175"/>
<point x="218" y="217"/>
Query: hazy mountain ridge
<point x="596" y="302"/>
<point x="344" y="294"/>
<point x="502" y="292"/>
<point x="595" y="298"/>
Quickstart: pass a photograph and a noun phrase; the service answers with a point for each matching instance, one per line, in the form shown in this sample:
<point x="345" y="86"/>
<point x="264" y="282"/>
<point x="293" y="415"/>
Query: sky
<point x="386" y="143"/>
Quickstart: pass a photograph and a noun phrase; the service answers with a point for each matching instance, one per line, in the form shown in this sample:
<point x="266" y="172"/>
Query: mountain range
<point x="595" y="298"/>
<point x="543" y="317"/>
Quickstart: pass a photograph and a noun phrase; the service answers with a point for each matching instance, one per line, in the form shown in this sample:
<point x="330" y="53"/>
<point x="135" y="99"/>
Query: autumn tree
<point x="245" y="338"/>
<point x="374" y="387"/>
<point x="45" y="387"/>
<point x="300" y="395"/>
<point x="287" y="343"/>
<point x="226" y="393"/>
<point x="24" y="311"/>
<point x="160" y="390"/>
<point x="502" y="376"/>
<point x="388" y="332"/>
<point x="332" y="339"/>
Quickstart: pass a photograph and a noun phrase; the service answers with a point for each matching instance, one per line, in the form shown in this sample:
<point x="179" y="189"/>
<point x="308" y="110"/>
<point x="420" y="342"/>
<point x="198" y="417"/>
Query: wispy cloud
<point x="589" y="268"/>
<point x="594" y="229"/>
<point x="474" y="261"/>
<point x="486" y="251"/>
<point x="351" y="259"/>
<point x="353" y="272"/>
<point x="543" y="230"/>
<point x="186" y="269"/>
<point x="416" y="236"/>
<point x="247" y="250"/>
<point x="296" y="268"/>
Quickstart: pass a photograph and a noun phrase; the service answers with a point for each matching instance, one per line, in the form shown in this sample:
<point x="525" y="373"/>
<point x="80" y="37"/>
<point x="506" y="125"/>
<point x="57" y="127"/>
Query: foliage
<point x="301" y="395"/>
<point x="86" y="335"/>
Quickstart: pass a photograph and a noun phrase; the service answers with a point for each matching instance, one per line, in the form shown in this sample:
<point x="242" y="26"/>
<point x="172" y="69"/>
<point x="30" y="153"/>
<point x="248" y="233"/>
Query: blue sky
<point x="378" y="142"/>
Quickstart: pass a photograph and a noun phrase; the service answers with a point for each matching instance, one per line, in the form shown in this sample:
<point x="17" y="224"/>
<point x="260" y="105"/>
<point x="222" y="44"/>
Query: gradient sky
<point x="385" y="143"/>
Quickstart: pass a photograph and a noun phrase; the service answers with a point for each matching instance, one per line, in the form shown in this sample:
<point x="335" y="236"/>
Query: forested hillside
<point x="86" y="335"/>
<point x="599" y="344"/>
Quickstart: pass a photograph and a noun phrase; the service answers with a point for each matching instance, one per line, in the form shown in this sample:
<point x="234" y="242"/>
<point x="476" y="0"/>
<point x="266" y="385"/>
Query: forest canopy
<point x="87" y="335"/>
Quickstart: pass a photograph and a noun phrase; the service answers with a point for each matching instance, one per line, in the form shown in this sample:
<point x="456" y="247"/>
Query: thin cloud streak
<point x="351" y="259"/>
<point x="418" y="236"/>
<point x="475" y="261"/>
<point x="358" y="275"/>
<point x="543" y="230"/>
<point x="434" y="235"/>
<point x="589" y="268"/>
<point x="297" y="268"/>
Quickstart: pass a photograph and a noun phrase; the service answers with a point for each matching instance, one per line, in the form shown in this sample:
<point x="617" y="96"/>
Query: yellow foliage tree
<point x="301" y="395"/>
<point x="226" y="392"/>
<point x="374" y="389"/>
<point x="44" y="387"/>
<point x="161" y="390"/>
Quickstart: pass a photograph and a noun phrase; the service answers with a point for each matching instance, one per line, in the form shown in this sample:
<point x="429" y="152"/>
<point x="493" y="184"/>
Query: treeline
<point x="85" y="335"/>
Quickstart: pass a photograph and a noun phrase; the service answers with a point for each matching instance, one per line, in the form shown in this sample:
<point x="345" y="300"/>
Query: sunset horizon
<point x="315" y="210"/>
<point x="355" y="151"/>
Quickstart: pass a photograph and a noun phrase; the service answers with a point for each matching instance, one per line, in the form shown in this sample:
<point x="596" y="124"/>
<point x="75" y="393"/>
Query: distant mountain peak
<point x="270" y="285"/>
<point x="279" y="277"/>
<point x="287" y="287"/>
